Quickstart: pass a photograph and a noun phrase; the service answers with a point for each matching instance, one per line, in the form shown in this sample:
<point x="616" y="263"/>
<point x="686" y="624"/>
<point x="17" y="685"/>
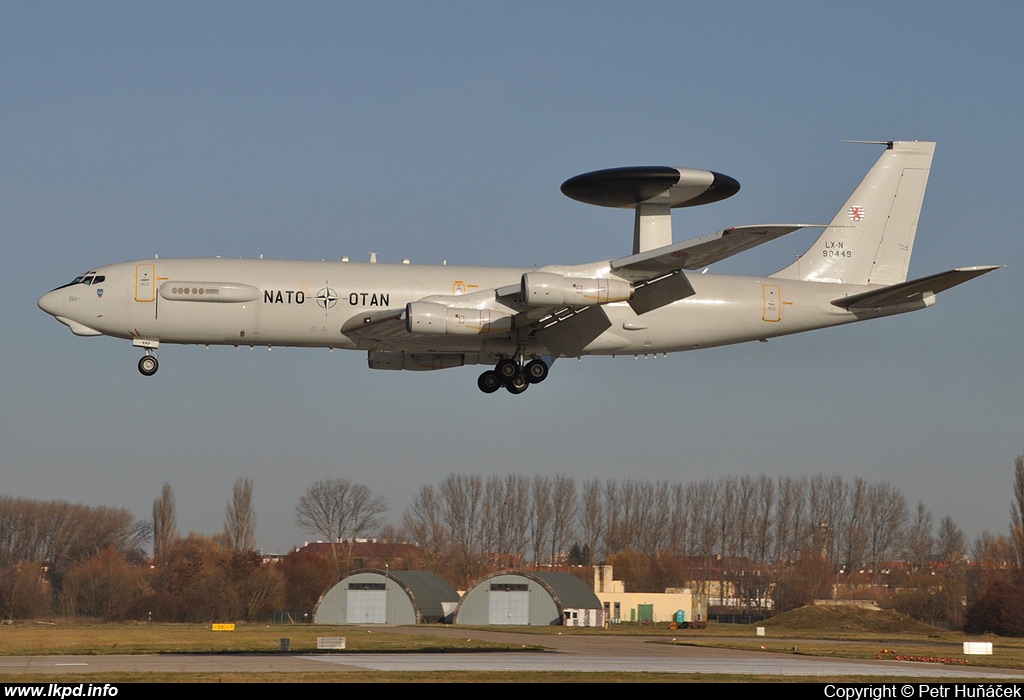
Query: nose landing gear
<point x="512" y="375"/>
<point x="148" y="364"/>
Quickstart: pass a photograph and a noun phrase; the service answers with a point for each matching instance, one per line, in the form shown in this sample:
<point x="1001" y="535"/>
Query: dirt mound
<point x="847" y="618"/>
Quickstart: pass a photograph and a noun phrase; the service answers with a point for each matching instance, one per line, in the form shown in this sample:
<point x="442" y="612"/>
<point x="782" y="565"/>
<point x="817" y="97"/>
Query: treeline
<point x="751" y="543"/>
<point x="855" y="525"/>
<point x="44" y="544"/>
<point x="784" y="540"/>
<point x="998" y="600"/>
<point x="80" y="561"/>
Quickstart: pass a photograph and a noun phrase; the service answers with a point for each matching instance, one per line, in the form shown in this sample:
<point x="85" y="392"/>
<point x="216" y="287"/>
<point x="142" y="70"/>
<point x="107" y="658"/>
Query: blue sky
<point x="442" y="131"/>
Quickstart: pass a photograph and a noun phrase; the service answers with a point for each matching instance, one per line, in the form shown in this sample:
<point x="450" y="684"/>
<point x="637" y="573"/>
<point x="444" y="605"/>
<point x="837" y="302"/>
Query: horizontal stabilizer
<point x="912" y="290"/>
<point x="703" y="250"/>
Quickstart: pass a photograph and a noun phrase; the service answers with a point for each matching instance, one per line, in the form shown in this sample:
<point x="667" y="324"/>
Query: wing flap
<point x="567" y="337"/>
<point x="912" y="290"/>
<point x="661" y="292"/>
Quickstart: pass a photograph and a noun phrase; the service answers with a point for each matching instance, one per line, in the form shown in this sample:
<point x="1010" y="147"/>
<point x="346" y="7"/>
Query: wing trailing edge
<point x="702" y="251"/>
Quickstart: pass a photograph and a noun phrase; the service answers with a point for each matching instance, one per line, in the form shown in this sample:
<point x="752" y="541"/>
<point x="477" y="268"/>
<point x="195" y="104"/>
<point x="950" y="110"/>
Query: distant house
<point x="363" y="553"/>
<point x="620" y="606"/>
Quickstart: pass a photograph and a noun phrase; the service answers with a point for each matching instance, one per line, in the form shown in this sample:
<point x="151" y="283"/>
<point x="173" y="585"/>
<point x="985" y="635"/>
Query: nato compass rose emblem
<point x="326" y="298"/>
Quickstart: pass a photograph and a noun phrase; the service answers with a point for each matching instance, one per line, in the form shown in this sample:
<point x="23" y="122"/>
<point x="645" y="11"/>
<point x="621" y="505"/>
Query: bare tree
<point x="543" y="516"/>
<point x="97" y="528"/>
<point x="340" y="511"/>
<point x="461" y="498"/>
<point x="563" y="514"/>
<point x="992" y="557"/>
<point x="165" y="525"/>
<point x="1017" y="516"/>
<point x="854" y="528"/>
<point x="788" y="504"/>
<point x="760" y="574"/>
<point x="613" y="528"/>
<point x="646" y="514"/>
<point x="494" y="522"/>
<point x="591" y="520"/>
<point x="240" y="521"/>
<point x="951" y="543"/>
<point x="763" y="511"/>
<point x="887" y="514"/>
<point x="517" y="506"/>
<point x="424" y="519"/>
<point x="679" y="521"/>
<point x="505" y="519"/>
<point x="829" y="510"/>
<point x="920" y="539"/>
<point x="952" y="550"/>
<point x="703" y="497"/>
<point x="724" y="533"/>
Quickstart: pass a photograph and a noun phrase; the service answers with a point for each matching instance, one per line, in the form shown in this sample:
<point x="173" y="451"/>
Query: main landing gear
<point x="515" y="377"/>
<point x="148" y="364"/>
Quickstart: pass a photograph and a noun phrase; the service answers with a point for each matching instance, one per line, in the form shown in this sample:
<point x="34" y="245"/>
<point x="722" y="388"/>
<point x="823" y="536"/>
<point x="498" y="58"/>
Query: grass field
<point x="835" y="633"/>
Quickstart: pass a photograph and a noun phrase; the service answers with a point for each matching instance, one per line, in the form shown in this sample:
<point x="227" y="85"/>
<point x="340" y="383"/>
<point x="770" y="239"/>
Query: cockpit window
<point x="88" y="278"/>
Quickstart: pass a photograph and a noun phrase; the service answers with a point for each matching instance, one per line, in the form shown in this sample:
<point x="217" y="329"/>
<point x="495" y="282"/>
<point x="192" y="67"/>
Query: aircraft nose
<point x="52" y="302"/>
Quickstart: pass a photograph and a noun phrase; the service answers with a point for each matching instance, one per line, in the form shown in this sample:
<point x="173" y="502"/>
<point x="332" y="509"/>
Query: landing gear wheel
<point x="507" y="369"/>
<point x="489" y="382"/>
<point x="536" y="371"/>
<point x="148" y="365"/>
<point x="517" y="384"/>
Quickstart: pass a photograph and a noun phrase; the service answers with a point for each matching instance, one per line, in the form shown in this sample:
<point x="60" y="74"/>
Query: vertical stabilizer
<point x="871" y="238"/>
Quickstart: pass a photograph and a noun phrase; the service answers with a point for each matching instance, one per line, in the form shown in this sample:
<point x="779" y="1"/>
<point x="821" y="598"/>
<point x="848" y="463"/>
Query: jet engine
<point x="430" y="317"/>
<point x="550" y="289"/>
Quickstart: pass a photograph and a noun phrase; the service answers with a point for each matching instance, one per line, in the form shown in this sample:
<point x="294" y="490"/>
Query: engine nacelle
<point x="418" y="361"/>
<point x="438" y="319"/>
<point x="550" y="289"/>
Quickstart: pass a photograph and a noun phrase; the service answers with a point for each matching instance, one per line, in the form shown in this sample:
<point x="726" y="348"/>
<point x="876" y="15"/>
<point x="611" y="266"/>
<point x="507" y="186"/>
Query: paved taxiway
<point x="567" y="653"/>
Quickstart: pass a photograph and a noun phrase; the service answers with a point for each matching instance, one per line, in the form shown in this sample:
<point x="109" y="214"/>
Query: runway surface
<point x="565" y="653"/>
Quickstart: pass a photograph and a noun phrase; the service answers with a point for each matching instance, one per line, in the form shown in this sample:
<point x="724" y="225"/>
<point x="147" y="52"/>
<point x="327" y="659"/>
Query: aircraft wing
<point x="376" y="327"/>
<point x="701" y="251"/>
<point x="655" y="277"/>
<point x="564" y="330"/>
<point x="912" y="290"/>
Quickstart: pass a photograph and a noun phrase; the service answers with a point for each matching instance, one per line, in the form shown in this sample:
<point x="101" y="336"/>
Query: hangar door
<point x="509" y="604"/>
<point x="367" y="604"/>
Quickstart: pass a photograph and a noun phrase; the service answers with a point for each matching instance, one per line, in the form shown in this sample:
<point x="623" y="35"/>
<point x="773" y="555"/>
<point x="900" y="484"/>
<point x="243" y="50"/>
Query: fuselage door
<point x="772" y="308"/>
<point x="145" y="287"/>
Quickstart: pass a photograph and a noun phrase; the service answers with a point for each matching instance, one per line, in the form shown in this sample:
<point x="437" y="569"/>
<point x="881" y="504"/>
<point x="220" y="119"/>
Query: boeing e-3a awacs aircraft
<point x="428" y="317"/>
